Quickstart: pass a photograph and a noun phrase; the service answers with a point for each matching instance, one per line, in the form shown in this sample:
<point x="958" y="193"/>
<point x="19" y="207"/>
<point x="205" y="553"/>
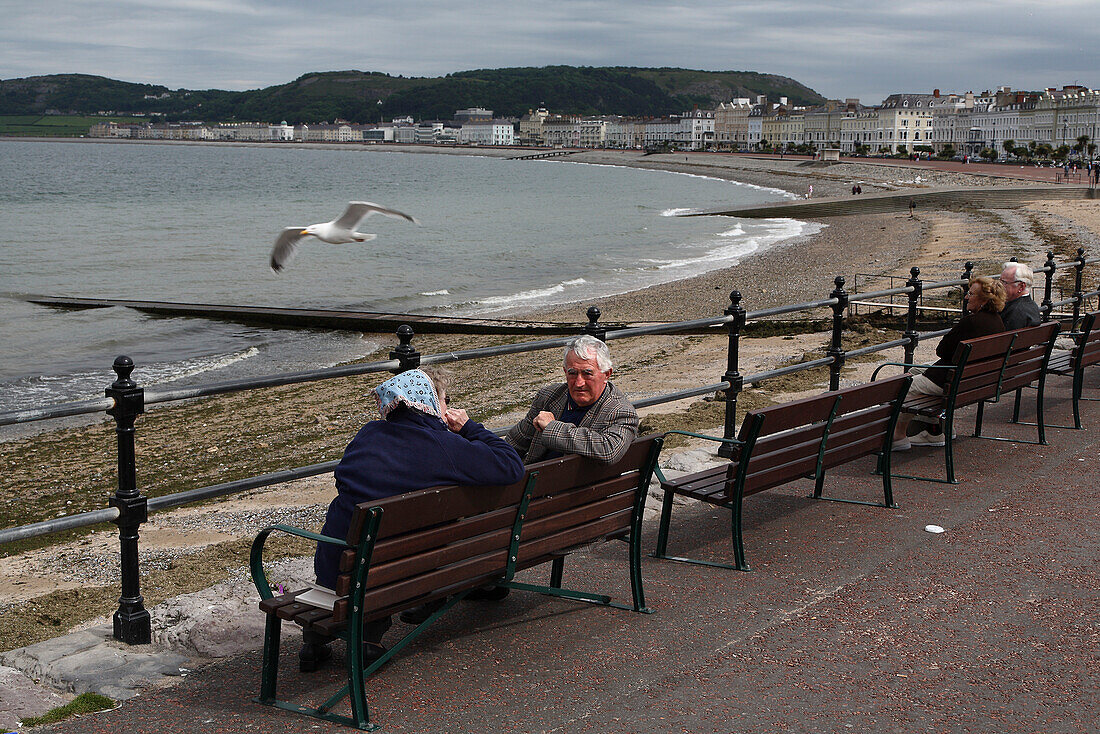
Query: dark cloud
<point x="862" y="48"/>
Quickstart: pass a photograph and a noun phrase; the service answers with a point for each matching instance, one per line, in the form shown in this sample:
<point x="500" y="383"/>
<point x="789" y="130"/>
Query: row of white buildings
<point x="967" y="123"/>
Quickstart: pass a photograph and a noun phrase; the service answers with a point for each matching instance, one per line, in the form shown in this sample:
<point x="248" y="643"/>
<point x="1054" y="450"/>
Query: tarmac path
<point x="854" y="618"/>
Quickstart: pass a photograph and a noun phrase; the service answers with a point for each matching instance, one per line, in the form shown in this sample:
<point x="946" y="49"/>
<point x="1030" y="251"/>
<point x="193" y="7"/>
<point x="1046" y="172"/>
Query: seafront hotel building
<point x="966" y="123"/>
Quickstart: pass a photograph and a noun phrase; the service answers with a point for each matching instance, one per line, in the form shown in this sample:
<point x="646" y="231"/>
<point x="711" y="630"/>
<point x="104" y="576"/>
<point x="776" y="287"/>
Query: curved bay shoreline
<point x="204" y="442"/>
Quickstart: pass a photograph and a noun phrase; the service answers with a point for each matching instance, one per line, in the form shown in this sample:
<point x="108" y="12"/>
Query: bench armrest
<point x="732" y="441"/>
<point x="719" y="439"/>
<point x="256" y="556"/>
<point x="874" y="375"/>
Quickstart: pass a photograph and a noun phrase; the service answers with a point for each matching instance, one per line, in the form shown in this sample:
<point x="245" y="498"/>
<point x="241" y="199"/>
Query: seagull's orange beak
<point x="304" y="231"/>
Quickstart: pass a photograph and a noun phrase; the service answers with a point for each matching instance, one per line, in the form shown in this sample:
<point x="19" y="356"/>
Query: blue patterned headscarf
<point x="413" y="389"/>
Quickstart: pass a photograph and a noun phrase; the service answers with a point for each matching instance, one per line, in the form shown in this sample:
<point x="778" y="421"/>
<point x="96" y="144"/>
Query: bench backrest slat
<point x="993" y="346"/>
<point x="574" y="471"/>
<point x="416" y="510"/>
<point x="397" y="547"/>
<point x="414" y="565"/>
<point x="791" y="443"/>
<point x="1090" y="340"/>
<point x="996" y="364"/>
<point x="594" y="493"/>
<point x="472" y="572"/>
<point x="534" y="552"/>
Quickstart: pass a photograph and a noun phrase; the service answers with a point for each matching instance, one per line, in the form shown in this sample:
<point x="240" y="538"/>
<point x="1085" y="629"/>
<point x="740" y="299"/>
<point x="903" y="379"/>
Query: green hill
<point x="370" y="96"/>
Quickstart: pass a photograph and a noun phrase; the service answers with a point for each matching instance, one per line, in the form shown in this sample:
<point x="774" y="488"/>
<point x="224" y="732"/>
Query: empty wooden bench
<point x="406" y="550"/>
<point x="982" y="370"/>
<point x="1072" y="363"/>
<point x="783" y="443"/>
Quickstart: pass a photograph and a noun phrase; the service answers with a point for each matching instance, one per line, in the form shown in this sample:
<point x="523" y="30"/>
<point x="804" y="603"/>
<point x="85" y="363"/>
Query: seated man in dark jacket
<point x="420" y="442"/>
<point x="1020" y="309"/>
<point x="985" y="301"/>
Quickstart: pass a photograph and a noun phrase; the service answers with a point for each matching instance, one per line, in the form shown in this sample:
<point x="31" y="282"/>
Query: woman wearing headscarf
<point x="420" y="442"/>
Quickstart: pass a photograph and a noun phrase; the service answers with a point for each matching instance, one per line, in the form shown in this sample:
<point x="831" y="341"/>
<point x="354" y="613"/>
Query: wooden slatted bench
<point x="982" y="370"/>
<point x="439" y="543"/>
<point x="783" y="443"/>
<point x="1072" y="363"/>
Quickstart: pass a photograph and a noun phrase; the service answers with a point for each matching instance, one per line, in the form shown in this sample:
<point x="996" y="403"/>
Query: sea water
<point x="195" y="224"/>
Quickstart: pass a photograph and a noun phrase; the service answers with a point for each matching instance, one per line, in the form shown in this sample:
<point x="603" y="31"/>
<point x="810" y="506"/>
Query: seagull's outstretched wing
<point x="283" y="252"/>
<point x="358" y="210"/>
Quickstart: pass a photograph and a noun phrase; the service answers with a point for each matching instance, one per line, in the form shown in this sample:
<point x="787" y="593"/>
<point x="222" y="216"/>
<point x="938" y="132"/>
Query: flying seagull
<point x="337" y="232"/>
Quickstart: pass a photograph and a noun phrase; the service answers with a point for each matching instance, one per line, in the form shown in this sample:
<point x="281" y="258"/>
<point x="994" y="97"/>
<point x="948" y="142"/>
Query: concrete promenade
<point x="854" y="619"/>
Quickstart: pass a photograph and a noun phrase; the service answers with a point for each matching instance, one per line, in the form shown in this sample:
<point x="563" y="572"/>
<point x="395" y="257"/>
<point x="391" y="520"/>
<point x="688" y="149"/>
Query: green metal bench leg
<point x="949" y="444"/>
<point x="1078" y="386"/>
<point x="662" y="532"/>
<point x="269" y="674"/>
<point x="637" y="591"/>
<point x="557" y="569"/>
<point x="1039" y="418"/>
<point x="887" y="486"/>
<point x="738" y="545"/>
<point x="1016" y="406"/>
<point x="356" y="678"/>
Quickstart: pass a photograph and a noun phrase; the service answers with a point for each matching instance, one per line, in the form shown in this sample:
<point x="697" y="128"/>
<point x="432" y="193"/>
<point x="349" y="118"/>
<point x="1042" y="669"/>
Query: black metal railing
<point x="125" y="400"/>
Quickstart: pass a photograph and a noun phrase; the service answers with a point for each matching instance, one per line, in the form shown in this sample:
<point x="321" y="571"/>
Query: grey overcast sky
<point x="858" y="48"/>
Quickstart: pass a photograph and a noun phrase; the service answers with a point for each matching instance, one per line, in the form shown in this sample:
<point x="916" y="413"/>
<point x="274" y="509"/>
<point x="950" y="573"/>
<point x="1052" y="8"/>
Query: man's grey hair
<point x="1024" y="273"/>
<point x="589" y="347"/>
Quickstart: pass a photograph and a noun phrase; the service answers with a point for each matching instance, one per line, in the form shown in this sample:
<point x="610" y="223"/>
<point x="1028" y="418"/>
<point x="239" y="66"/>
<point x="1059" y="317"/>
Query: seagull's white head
<point x="311" y="229"/>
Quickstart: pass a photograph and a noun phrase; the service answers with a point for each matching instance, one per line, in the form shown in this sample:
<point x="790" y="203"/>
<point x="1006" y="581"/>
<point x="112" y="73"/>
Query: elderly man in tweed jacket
<point x="586" y="415"/>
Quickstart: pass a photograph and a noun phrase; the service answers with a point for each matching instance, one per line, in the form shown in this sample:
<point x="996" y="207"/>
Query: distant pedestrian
<point x="1095" y="173"/>
<point x="810" y="193"/>
<point x="854" y="190"/>
<point x="912" y="207"/>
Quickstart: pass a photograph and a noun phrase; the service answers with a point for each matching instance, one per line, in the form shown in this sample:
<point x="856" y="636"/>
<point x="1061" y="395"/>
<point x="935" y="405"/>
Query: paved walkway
<point x="854" y="618"/>
<point x="974" y="168"/>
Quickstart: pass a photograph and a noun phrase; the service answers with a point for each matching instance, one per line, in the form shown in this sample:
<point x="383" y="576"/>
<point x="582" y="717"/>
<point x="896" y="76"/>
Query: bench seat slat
<point x="272" y="605"/>
<point x="701" y="481"/>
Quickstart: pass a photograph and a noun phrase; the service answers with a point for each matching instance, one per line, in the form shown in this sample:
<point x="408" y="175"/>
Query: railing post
<point x="732" y="375"/>
<point x="911" y="318"/>
<point x="968" y="273"/>
<point x="408" y="357"/>
<point x="592" y="328"/>
<point x="1078" y="287"/>
<point x="131" y="620"/>
<point x="835" y="350"/>
<point x="1048" y="302"/>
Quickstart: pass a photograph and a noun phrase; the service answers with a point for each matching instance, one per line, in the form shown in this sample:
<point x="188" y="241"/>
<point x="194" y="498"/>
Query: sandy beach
<point x="59" y="472"/>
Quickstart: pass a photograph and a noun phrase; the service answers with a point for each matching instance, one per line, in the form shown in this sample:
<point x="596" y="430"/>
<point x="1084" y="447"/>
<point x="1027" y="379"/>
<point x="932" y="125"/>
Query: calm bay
<point x="195" y="223"/>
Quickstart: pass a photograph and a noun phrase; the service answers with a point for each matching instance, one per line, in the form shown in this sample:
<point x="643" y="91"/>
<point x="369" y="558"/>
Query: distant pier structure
<point x="309" y="318"/>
